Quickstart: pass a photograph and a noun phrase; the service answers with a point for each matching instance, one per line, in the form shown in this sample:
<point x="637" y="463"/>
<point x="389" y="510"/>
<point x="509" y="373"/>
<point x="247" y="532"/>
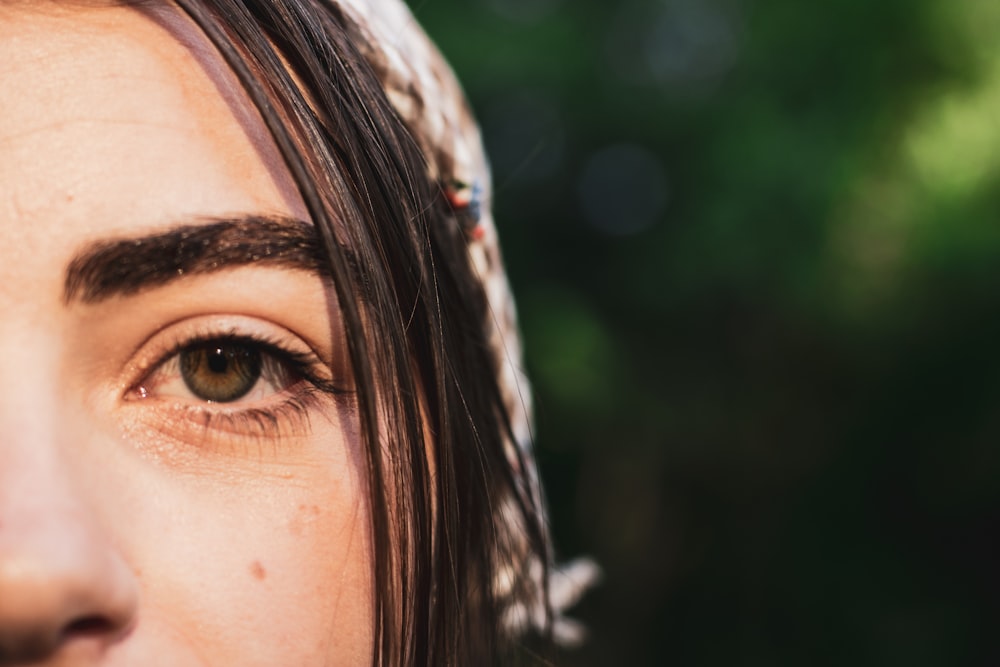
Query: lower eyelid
<point x="208" y="428"/>
<point x="290" y="419"/>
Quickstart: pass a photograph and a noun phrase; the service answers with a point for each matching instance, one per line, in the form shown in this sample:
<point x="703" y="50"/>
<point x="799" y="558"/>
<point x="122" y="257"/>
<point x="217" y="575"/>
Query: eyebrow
<point x="126" y="266"/>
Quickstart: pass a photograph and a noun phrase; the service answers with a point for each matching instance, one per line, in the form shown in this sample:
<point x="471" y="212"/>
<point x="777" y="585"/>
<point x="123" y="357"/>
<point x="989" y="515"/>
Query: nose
<point x="60" y="590"/>
<point x="66" y="593"/>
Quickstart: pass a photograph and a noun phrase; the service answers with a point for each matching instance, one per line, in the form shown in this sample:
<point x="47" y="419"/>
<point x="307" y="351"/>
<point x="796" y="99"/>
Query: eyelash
<point x="290" y="415"/>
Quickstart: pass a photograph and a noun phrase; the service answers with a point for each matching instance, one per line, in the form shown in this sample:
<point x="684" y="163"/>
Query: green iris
<point x="220" y="371"/>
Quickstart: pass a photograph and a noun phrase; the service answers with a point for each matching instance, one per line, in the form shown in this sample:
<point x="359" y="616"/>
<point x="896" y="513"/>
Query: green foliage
<point x="767" y="399"/>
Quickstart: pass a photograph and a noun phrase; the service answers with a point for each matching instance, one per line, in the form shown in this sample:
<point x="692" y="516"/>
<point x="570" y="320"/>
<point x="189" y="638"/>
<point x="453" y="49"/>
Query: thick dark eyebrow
<point x="126" y="266"/>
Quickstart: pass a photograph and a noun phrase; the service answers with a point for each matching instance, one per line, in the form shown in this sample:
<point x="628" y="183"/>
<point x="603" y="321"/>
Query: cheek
<point x="269" y="570"/>
<point x="306" y="580"/>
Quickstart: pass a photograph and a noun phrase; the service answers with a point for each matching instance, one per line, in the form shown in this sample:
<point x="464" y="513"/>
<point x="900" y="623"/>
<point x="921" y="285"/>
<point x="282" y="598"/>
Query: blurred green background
<point x="757" y="251"/>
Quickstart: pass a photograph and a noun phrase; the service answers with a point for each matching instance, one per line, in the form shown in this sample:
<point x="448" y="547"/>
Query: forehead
<point x="123" y="118"/>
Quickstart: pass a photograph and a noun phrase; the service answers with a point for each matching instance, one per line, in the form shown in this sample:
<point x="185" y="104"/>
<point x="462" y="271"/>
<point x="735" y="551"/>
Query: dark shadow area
<point x="757" y="252"/>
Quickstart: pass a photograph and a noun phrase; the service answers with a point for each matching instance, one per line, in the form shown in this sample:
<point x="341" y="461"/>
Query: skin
<point x="140" y="525"/>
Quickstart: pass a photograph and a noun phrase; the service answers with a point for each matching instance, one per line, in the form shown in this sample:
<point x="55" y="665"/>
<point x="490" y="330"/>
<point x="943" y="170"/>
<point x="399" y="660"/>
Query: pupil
<point x="218" y="361"/>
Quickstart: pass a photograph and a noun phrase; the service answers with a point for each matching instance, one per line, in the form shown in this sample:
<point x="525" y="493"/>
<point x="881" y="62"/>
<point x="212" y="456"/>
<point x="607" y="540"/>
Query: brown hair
<point x="416" y="316"/>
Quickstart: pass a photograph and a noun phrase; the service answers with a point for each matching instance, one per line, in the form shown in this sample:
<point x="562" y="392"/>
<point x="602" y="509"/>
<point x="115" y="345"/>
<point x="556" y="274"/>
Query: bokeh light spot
<point x="623" y="189"/>
<point x="954" y="147"/>
<point x="674" y="42"/>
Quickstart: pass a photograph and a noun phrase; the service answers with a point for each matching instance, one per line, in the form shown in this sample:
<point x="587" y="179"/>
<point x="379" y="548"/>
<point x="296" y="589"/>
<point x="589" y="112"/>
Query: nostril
<point x="87" y="625"/>
<point x="63" y="590"/>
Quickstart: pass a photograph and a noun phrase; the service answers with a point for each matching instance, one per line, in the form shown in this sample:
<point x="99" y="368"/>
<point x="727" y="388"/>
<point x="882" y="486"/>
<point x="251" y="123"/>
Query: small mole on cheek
<point x="258" y="571"/>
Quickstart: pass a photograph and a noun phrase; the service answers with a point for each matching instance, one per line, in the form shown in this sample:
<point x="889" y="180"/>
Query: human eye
<point x="226" y="369"/>
<point x="235" y="382"/>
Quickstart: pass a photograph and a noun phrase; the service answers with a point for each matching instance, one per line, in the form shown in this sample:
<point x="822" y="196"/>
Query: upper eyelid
<point x="267" y="346"/>
<point x="154" y="352"/>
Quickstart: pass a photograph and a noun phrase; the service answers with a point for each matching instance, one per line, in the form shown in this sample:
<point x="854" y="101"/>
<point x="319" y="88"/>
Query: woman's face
<point x="179" y="466"/>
